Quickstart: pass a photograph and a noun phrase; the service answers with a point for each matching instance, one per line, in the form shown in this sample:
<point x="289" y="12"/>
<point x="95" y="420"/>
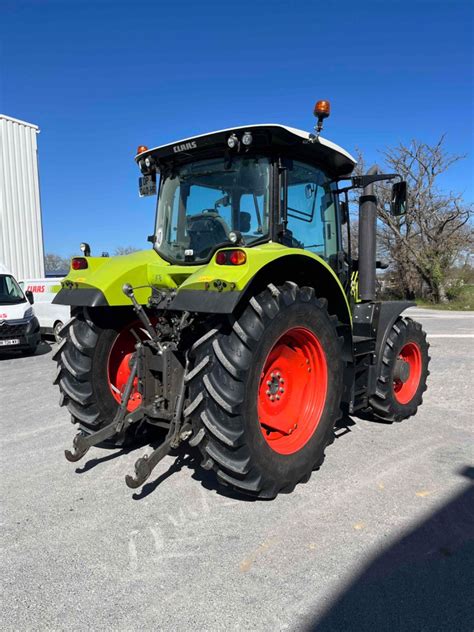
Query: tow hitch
<point x="177" y="431"/>
<point x="176" y="434"/>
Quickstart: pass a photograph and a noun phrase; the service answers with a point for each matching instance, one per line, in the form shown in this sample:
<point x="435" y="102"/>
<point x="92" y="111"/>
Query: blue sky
<point x="101" y="78"/>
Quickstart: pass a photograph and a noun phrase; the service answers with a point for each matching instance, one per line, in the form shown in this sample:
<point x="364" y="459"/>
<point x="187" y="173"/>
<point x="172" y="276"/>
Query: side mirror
<point x="398" y="203"/>
<point x="30" y="296"/>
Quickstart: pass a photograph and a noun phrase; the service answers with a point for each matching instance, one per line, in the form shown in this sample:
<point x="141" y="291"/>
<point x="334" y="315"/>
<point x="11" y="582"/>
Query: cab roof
<point x="274" y="138"/>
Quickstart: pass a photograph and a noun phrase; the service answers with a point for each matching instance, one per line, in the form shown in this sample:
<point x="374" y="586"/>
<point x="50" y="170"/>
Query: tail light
<point x="79" y="263"/>
<point x="231" y="257"/>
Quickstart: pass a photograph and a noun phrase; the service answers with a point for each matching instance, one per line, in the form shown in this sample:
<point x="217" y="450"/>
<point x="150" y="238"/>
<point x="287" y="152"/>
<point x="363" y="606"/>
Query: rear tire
<point x="83" y="361"/>
<point x="227" y="403"/>
<point x="394" y="399"/>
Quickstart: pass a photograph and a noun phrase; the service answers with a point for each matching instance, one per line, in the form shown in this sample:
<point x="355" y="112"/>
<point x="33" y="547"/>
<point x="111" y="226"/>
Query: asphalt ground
<point x="381" y="538"/>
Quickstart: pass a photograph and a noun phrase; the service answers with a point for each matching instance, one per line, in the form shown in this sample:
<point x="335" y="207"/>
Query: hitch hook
<point x="79" y="448"/>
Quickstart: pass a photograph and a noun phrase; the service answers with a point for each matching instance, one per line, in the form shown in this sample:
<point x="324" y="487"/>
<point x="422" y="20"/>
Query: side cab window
<point x="311" y="211"/>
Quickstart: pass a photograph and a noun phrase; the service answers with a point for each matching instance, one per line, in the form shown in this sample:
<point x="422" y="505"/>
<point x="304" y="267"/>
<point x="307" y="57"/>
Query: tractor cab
<point x="244" y="186"/>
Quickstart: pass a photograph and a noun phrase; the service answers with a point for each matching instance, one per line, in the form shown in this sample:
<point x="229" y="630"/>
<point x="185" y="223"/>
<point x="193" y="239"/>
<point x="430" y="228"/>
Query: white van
<point x="19" y="327"/>
<point x="51" y="317"/>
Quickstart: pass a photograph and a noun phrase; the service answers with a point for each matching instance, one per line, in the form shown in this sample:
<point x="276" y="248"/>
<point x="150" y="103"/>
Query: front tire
<point x="403" y="372"/>
<point x="284" y="344"/>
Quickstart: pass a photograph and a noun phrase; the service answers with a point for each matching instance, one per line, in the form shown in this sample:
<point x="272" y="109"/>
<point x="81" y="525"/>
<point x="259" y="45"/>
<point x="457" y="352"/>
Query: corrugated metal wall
<point x="21" y="233"/>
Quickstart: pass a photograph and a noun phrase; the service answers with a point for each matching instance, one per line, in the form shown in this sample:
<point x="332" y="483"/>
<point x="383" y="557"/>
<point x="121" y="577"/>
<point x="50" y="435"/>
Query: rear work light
<point x="231" y="258"/>
<point x="79" y="263"/>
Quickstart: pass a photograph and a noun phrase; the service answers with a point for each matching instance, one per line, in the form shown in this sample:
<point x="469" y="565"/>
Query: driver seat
<point x="206" y="231"/>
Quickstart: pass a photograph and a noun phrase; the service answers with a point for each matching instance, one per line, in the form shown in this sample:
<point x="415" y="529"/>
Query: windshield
<point x="201" y="203"/>
<point x="10" y="292"/>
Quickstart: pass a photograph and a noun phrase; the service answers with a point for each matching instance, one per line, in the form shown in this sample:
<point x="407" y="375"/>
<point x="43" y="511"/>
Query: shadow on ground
<point x="185" y="457"/>
<point x="192" y="458"/>
<point x="423" y="582"/>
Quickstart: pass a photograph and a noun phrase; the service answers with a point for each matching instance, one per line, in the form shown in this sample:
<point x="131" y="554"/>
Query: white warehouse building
<point x="21" y="232"/>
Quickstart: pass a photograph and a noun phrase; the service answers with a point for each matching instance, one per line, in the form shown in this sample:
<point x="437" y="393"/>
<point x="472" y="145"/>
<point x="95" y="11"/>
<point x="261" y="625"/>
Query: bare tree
<point x="436" y="229"/>
<point x="54" y="264"/>
<point x="423" y="245"/>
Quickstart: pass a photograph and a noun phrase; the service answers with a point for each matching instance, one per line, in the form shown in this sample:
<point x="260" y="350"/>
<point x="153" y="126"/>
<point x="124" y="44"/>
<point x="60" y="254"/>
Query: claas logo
<point x="38" y="289"/>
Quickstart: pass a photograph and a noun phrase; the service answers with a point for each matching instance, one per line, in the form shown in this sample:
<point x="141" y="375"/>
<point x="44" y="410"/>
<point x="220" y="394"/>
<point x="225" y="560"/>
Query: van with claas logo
<point x="51" y="317"/>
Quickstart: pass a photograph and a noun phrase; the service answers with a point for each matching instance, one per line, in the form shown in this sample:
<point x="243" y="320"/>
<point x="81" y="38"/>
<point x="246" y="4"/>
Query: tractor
<point x="246" y="329"/>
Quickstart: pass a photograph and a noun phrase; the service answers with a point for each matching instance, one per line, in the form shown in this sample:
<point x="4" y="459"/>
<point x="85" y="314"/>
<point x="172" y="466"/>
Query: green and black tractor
<point x="246" y="329"/>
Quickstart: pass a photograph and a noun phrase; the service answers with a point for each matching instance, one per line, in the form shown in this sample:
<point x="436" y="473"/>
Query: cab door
<point x="311" y="212"/>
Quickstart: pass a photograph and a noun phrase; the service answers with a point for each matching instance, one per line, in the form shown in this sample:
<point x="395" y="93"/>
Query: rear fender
<point x="101" y="283"/>
<point x="223" y="288"/>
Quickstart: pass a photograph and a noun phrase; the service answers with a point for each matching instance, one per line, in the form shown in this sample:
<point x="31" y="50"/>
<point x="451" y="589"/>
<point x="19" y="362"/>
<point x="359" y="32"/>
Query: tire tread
<point x="217" y="391"/>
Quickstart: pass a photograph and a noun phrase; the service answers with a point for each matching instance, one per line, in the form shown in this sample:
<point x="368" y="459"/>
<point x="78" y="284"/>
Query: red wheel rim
<point x="292" y="390"/>
<point x="405" y="391"/>
<point x="118" y="366"/>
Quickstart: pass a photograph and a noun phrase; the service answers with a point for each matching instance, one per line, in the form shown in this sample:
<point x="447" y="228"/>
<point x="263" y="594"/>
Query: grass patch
<point x="464" y="302"/>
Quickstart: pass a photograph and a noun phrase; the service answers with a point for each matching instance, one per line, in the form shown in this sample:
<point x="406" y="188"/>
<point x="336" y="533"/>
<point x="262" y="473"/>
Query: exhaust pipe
<point x="367" y="239"/>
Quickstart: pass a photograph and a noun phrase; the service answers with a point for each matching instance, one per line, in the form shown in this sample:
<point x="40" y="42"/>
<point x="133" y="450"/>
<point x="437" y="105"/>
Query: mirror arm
<point x="359" y="182"/>
<point x="363" y="181"/>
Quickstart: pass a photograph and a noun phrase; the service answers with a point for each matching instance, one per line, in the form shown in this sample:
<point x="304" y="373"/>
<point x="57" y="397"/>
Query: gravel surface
<point x="380" y="539"/>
